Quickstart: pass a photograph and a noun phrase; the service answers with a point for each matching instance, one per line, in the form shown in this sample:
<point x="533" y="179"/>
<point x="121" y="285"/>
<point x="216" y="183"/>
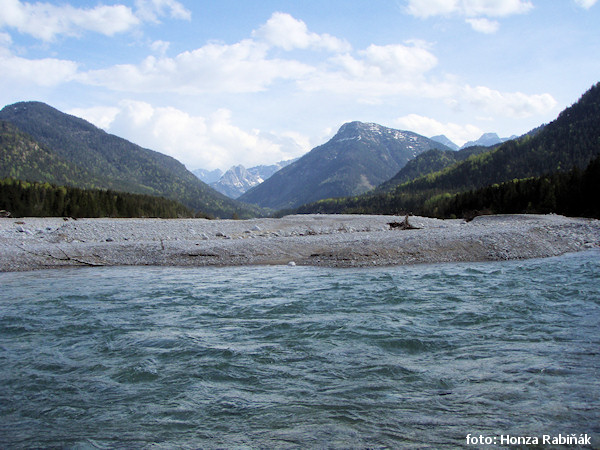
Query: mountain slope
<point x="570" y="141"/>
<point x="427" y="162"/>
<point x="358" y="158"/>
<point x="110" y="162"/>
<point x="21" y="157"/>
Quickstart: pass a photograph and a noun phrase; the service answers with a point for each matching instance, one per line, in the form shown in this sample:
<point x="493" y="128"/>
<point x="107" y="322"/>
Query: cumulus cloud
<point x="40" y="72"/>
<point x="459" y="134"/>
<point x="240" y="67"/>
<point x="484" y="25"/>
<point x="468" y="8"/>
<point x="510" y="104"/>
<point x="586" y="4"/>
<point x="374" y="72"/>
<point x="476" y="12"/>
<point x="151" y="10"/>
<point x="207" y="142"/>
<point x="45" y="21"/>
<point x="101" y="116"/>
<point x="283" y="30"/>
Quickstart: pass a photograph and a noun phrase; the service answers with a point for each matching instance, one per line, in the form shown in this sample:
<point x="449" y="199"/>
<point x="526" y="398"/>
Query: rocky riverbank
<point x="324" y="240"/>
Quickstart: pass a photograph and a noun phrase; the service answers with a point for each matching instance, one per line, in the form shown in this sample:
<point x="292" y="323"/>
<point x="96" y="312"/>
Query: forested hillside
<point x="570" y="141"/>
<point x="429" y="162"/>
<point x="82" y="155"/>
<point x="23" y="158"/>
<point x="572" y="193"/>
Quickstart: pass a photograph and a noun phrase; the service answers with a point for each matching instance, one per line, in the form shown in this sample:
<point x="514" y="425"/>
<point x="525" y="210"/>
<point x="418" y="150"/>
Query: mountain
<point x="208" y="176"/>
<point x="82" y="155"/>
<point x="444" y="140"/>
<point x="571" y="141"/>
<point x="238" y="179"/>
<point x="358" y="158"/>
<point x="266" y="171"/>
<point x="428" y="162"/>
<point x="487" y="140"/>
<point x="21" y="157"/>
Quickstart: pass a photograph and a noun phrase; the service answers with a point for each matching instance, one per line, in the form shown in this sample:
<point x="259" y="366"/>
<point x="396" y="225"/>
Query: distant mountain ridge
<point x="85" y="156"/>
<point x="487" y="140"/>
<point x="358" y="158"/>
<point x="444" y="140"/>
<point x="237" y="180"/>
<point x="208" y="176"/>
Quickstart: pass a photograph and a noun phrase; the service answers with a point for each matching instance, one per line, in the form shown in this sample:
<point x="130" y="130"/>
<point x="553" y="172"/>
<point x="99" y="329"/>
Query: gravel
<point x="321" y="240"/>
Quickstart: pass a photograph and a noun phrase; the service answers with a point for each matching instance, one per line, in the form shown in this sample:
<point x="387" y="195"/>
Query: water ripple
<point x="300" y="357"/>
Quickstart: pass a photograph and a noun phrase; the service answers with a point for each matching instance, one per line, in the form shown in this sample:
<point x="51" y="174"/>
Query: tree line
<point x="572" y="193"/>
<point x="34" y="199"/>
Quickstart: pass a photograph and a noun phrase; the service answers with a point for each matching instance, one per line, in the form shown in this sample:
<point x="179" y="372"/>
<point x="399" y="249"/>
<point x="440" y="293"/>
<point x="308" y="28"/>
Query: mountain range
<point x="40" y="143"/>
<point x="569" y="142"/>
<point x="357" y="159"/>
<point x="238" y="179"/>
<point x="365" y="167"/>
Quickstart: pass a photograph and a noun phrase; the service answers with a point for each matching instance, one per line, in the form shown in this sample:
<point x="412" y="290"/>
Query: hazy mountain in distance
<point x="238" y="179"/>
<point x="444" y="140"/>
<point x="208" y="176"/>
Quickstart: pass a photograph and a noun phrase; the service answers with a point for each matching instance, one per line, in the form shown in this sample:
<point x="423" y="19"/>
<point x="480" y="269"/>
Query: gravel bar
<point x="315" y="239"/>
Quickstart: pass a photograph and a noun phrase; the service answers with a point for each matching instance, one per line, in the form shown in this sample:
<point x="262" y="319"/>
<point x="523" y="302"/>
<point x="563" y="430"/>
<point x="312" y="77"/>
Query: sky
<point x="220" y="83"/>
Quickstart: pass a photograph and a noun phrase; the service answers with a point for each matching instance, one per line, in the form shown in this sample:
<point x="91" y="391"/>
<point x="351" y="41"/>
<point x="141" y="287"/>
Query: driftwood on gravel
<point x="404" y="225"/>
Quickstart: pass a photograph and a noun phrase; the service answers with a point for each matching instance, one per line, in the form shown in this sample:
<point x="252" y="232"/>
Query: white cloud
<point x="197" y="141"/>
<point x="510" y="104"/>
<point x="101" y="116"/>
<point x="459" y="134"/>
<point x="484" y="25"/>
<point x="40" y="72"/>
<point x="376" y="72"/>
<point x="160" y="47"/>
<point x="45" y="21"/>
<point x="151" y="10"/>
<point x="586" y="4"/>
<point x="283" y="30"/>
<point x="5" y="40"/>
<point x="468" y="8"/>
<point x="236" y="68"/>
<point x="476" y="12"/>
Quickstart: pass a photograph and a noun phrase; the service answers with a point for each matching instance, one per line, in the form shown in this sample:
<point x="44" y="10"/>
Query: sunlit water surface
<point x="300" y="356"/>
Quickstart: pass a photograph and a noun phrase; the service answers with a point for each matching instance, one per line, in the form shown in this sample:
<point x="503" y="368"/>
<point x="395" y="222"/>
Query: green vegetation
<point x="573" y="193"/>
<point x="45" y="145"/>
<point x="429" y="162"/>
<point x="548" y="159"/>
<point x="25" y="199"/>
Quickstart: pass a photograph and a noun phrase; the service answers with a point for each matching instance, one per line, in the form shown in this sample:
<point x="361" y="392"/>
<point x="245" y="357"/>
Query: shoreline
<point x="316" y="240"/>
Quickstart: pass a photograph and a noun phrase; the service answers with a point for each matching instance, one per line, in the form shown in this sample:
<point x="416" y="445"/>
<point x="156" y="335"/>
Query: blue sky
<point x="255" y="82"/>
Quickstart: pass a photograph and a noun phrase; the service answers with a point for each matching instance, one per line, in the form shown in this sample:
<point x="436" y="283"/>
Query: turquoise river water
<point x="301" y="357"/>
